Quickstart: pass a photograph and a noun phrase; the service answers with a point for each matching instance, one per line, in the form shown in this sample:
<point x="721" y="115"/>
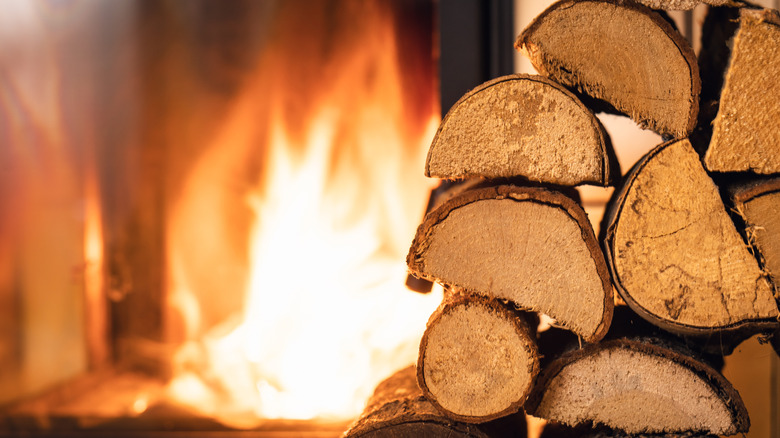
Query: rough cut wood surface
<point x="531" y="246"/>
<point x="683" y="5"/>
<point x="676" y="256"/>
<point x="398" y="409"/>
<point x="759" y="206"/>
<point x="745" y="133"/>
<point x="640" y="388"/>
<point x="478" y="359"/>
<point x="620" y="52"/>
<point x="522" y="125"/>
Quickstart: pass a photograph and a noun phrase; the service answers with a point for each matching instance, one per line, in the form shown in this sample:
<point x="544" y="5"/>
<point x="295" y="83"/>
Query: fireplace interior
<point x="205" y="207"/>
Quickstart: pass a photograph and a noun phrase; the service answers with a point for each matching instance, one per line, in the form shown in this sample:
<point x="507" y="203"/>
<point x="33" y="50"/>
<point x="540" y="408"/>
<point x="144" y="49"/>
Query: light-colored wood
<point x="478" y="360"/>
<point x="522" y="125"/>
<point x="745" y="135"/>
<point x="639" y="388"/>
<point x="398" y="409"/>
<point x="622" y="53"/>
<point x="759" y="206"/>
<point x="677" y="257"/>
<point x="531" y="246"/>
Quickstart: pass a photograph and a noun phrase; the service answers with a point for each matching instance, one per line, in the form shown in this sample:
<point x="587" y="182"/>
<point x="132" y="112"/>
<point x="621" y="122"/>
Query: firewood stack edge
<point x="690" y="239"/>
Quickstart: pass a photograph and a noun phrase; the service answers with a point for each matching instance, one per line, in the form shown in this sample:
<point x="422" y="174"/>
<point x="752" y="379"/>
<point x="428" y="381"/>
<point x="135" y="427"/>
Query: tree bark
<point x="398" y="410"/>
<point x="758" y="204"/>
<point x="683" y="5"/>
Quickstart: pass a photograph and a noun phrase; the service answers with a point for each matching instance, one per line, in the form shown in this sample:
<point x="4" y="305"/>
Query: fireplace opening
<point x="206" y="209"/>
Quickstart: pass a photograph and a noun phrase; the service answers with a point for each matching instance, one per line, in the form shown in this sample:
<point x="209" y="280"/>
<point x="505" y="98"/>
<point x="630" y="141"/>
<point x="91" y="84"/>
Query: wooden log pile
<point x="690" y="239"/>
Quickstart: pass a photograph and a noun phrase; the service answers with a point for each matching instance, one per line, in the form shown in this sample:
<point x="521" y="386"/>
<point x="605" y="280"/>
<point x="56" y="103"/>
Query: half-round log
<point x="622" y="53"/>
<point x="522" y="125"/>
<point x="675" y="254"/>
<point x="531" y="246"/>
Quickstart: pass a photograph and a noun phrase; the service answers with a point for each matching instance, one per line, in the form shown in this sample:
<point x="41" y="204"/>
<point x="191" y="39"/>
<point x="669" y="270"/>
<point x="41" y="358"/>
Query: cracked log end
<point x="522" y="125"/>
<point x="398" y="409"/>
<point x="745" y="135"/>
<point x="622" y="53"/>
<point x="531" y="246"/>
<point x="675" y="254"/>
<point x="639" y="388"/>
<point x="759" y="206"/>
<point x="478" y="360"/>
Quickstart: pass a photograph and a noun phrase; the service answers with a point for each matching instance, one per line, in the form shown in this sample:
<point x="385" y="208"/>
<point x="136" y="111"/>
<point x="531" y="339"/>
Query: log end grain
<point x="622" y="53"/>
<point x="638" y="388"/>
<point x="478" y="360"/>
<point x="522" y="125"/>
<point x="530" y="246"/>
<point x="676" y="256"/>
<point x="745" y="135"/>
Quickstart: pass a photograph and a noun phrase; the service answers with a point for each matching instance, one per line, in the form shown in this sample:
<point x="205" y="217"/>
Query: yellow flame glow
<point x="326" y="314"/>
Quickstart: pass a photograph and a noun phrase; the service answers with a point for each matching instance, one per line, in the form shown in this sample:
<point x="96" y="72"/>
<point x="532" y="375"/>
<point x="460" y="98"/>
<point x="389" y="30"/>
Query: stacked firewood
<point x="690" y="240"/>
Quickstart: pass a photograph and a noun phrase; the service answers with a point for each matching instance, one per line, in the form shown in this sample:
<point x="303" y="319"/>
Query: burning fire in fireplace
<point x="335" y="201"/>
<point x="246" y="182"/>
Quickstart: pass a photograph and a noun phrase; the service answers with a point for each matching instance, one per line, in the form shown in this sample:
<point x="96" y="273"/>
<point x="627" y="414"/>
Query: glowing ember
<point x="326" y="314"/>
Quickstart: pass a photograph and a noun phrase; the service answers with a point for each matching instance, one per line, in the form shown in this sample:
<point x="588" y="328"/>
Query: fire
<point x="96" y="321"/>
<point x="325" y="313"/>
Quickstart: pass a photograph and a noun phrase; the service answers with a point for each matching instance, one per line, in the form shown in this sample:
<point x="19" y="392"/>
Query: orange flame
<point x="326" y="315"/>
<point x="96" y="321"/>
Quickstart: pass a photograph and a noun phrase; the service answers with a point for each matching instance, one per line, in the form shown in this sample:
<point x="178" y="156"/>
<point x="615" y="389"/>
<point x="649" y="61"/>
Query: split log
<point x="745" y="135"/>
<point x="531" y="246"/>
<point x="676" y="256"/>
<point x="555" y="345"/>
<point x="441" y="193"/>
<point x="759" y="206"/>
<point x="622" y="53"/>
<point x="398" y="409"/>
<point x="478" y="359"/>
<point x="447" y="189"/>
<point x="684" y="5"/>
<point x="637" y="386"/>
<point x="522" y="125"/>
